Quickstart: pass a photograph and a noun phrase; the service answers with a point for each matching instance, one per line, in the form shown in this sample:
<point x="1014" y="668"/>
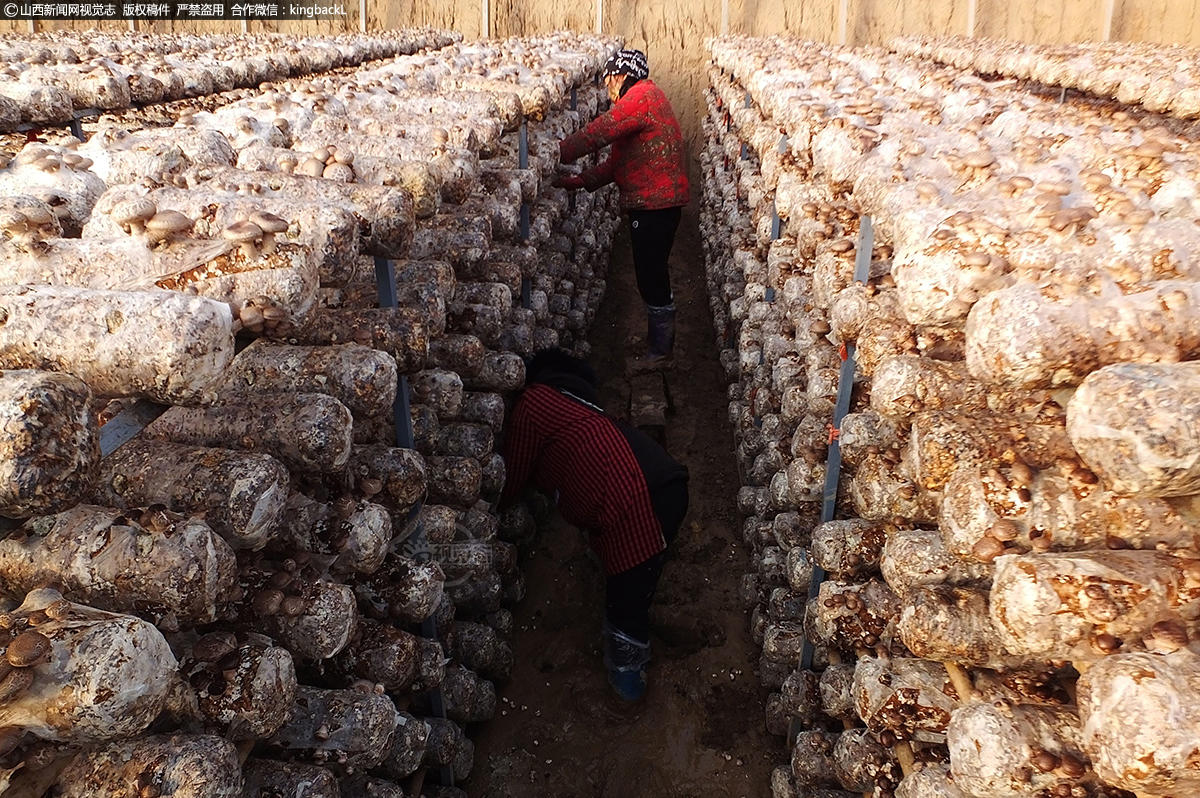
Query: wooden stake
<point x="599" y="16"/>
<point x="724" y="17"/>
<point x="362" y="16"/>
<point x="485" y="19"/>
<point x="961" y="681"/>
<point x="843" y="21"/>
<point x="971" y="9"/>
<point x="904" y="754"/>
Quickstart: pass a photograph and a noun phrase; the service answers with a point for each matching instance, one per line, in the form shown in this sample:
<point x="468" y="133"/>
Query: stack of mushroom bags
<point x="48" y="76"/>
<point x="233" y="601"/>
<point x="1013" y="580"/>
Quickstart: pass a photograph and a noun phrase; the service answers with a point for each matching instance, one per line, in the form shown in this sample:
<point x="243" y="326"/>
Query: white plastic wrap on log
<point x="944" y="440"/>
<point x="1140" y="724"/>
<point x="241" y="493"/>
<point x="247" y="692"/>
<point x="912" y="697"/>
<point x="304" y="431"/>
<point x="812" y="759"/>
<point x="993" y="749"/>
<point x="355" y="723"/>
<point x="266" y="777"/>
<point x="402" y="472"/>
<point x="400" y="332"/>
<point x="50" y="449"/>
<point x="914" y="558"/>
<point x="837" y="692"/>
<point x="357" y="534"/>
<point x="456" y="168"/>
<point x="1138" y="427"/>
<point x="932" y="781"/>
<point x="407" y="751"/>
<point x="454" y="480"/>
<point x="212" y="269"/>
<point x="181" y="765"/>
<point x="862" y="764"/>
<point x="107" y="677"/>
<point x="385" y="215"/>
<point x="419" y="179"/>
<point x="880" y="492"/>
<point x="849" y="546"/>
<point x="163" y="345"/>
<point x="324" y="628"/>
<point x="1037" y="336"/>
<point x="439" y="388"/>
<point x="383" y="655"/>
<point x="38" y="103"/>
<point x="152" y="562"/>
<point x="468" y="698"/>
<point x="403" y="590"/>
<point x="1053" y="510"/>
<point x="951" y="624"/>
<point x="904" y="384"/>
<point x="1071" y="605"/>
<point x="121" y="157"/>
<point x="461" y="238"/>
<point x="850" y="617"/>
<point x="361" y="378"/>
<point x="331" y="234"/>
<point x="865" y="432"/>
<point x="72" y="190"/>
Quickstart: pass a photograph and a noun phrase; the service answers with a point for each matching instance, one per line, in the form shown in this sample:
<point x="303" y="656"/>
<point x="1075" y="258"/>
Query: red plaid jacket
<point x="647" y="161"/>
<point x="564" y="446"/>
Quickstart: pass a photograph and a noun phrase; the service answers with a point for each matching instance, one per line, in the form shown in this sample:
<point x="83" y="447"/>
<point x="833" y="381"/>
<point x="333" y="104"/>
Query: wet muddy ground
<point x="699" y="732"/>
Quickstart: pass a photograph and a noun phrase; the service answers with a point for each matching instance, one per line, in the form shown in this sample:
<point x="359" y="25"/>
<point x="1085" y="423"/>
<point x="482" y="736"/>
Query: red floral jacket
<point x="647" y="161"/>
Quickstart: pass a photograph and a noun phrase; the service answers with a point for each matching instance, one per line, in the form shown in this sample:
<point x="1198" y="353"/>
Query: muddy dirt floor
<point x="700" y="731"/>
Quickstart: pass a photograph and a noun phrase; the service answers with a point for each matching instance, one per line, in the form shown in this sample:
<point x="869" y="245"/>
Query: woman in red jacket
<point x="649" y="166"/>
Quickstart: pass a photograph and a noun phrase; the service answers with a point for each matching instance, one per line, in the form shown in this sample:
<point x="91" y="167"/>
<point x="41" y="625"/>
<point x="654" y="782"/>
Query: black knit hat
<point x="628" y="62"/>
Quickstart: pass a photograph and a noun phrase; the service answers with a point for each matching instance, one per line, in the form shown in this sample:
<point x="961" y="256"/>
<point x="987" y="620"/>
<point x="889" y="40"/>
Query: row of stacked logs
<point x="1012" y="581"/>
<point x="276" y="589"/>
<point x="49" y="76"/>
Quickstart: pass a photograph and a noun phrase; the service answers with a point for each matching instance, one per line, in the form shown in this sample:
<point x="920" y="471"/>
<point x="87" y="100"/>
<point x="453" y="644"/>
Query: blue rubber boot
<point x="660" y="332"/>
<point x="626" y="660"/>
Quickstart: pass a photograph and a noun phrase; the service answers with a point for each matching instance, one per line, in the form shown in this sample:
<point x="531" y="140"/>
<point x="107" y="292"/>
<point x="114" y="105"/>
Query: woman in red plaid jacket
<point x="649" y="165"/>
<point x="610" y="479"/>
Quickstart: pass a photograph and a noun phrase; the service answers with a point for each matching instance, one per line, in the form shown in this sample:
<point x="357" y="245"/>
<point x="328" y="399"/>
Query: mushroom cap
<point x="343" y="173"/>
<point x="269" y="222"/>
<point x="311" y="167"/>
<point x="168" y="222"/>
<point x="138" y="209"/>
<point x="28" y="648"/>
<point x="244" y="230"/>
<point x="38" y="214"/>
<point x="12" y="218"/>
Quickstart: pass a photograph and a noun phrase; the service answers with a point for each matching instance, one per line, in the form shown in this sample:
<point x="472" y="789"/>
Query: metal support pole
<point x="833" y="465"/>
<point x="523" y="163"/>
<point x="122" y="428"/>
<point x="385" y="283"/>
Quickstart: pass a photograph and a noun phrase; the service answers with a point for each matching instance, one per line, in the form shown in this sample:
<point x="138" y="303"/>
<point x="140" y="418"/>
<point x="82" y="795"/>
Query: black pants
<point x="652" y="234"/>
<point x="628" y="595"/>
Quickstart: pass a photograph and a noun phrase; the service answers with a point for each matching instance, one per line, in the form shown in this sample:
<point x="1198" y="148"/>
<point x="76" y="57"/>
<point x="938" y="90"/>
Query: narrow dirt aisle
<point x="699" y="731"/>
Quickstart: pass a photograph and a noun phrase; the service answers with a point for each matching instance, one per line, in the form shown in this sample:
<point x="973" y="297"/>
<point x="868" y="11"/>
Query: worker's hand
<point x="568" y="181"/>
